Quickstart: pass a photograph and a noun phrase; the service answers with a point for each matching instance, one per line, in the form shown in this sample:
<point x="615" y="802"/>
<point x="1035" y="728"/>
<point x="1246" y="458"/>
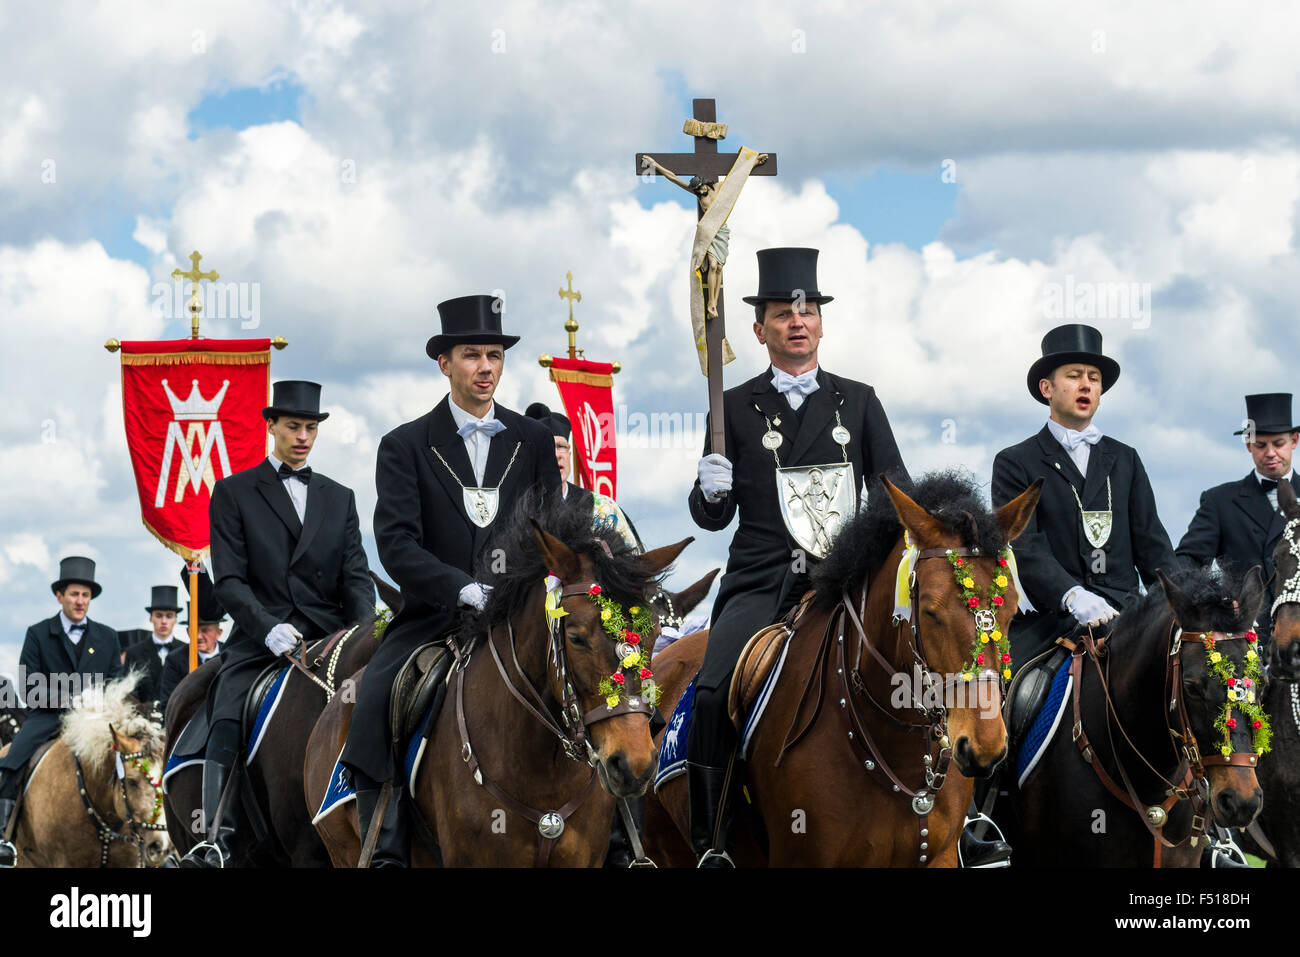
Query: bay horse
<point x="530" y="751"/>
<point x="837" y="778"/>
<point x="1146" y="754"/>
<point x="94" y="797"/>
<point x="1279" y="770"/>
<point x="283" y="835"/>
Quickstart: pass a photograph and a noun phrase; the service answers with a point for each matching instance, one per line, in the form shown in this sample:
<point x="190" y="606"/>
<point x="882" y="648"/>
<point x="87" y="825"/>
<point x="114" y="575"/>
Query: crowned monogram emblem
<point x="203" y="427"/>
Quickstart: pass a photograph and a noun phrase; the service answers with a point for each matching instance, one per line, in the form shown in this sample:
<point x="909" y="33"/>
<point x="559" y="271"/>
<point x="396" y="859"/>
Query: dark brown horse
<point x="526" y="744"/>
<point x="836" y="737"/>
<point x="1279" y="770"/>
<point x="285" y="836"/>
<point x="1123" y="784"/>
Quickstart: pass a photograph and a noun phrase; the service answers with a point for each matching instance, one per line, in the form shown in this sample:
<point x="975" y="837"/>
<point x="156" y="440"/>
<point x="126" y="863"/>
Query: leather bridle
<point x="570" y="727"/>
<point x="130" y="830"/>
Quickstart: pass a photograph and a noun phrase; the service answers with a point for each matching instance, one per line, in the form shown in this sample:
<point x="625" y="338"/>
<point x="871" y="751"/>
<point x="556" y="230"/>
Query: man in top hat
<point x="831" y="436"/>
<point x="1238" y="522"/>
<point x="1096" y="529"/>
<point x="149" y="656"/>
<point x="208" y="639"/>
<point x="605" y="511"/>
<point x="443" y="481"/>
<point x="289" y="566"/>
<point x="63" y="655"/>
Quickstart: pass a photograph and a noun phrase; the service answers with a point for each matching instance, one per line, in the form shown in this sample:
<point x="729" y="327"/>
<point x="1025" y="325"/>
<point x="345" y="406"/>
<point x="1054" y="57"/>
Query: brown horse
<point x="283" y="835"/>
<point x="94" y="798"/>
<point x="510" y="770"/>
<point x="835" y="776"/>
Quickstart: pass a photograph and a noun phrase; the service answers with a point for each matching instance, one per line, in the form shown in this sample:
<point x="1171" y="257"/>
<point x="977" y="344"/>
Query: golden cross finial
<point x="196" y="303"/>
<point x="571" y="327"/>
<point x="572" y="295"/>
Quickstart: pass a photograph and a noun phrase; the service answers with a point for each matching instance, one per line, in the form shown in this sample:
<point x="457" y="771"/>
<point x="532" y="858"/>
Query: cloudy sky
<point x="961" y="167"/>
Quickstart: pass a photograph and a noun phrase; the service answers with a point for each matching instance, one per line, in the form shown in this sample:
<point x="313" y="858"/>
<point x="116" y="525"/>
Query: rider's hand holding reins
<point x="715" y="477"/>
<point x="283" y="637"/>
<point x="475" y="595"/>
<point x="1088" y="608"/>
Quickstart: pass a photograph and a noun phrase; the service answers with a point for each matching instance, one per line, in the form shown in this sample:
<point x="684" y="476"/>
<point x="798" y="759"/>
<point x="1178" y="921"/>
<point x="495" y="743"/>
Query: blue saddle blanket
<point x="1045" y="723"/>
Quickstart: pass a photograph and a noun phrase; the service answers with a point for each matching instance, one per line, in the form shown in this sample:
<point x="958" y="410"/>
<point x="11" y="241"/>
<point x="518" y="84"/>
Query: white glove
<point x="475" y="595"/>
<point x="715" y="477"/>
<point x="283" y="637"/>
<point x="1087" y="607"/>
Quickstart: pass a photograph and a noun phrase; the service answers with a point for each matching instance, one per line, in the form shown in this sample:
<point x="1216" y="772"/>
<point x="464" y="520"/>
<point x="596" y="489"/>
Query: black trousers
<point x="368" y="753"/>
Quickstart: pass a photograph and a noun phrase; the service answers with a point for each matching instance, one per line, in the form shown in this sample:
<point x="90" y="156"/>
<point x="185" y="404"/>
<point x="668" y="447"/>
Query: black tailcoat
<point x="144" y="657"/>
<point x="429" y="546"/>
<point x="269" y="568"/>
<point x="761" y="580"/>
<point x="175" y="668"/>
<point x="1236" y="523"/>
<point x="49" y="653"/>
<point x="1053" y="555"/>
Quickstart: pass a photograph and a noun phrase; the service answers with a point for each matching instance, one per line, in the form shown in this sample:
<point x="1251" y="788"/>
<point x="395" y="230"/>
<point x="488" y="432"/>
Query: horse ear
<point x="1286" y="499"/>
<point x="1176" y="597"/>
<point x="686" y="600"/>
<point x="390" y="595"/>
<point x="1253" y="595"/>
<point x="560" y="559"/>
<point x="925" y="528"/>
<point x="1015" y="515"/>
<point x="657" y="559"/>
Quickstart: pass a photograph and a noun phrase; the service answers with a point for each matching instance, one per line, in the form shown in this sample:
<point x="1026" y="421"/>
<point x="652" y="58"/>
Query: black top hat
<point x="787" y="274"/>
<point x="295" y="398"/>
<point x="1072" y="343"/>
<point x="558" y="424"/>
<point x="164" y="599"/>
<point x="469" y="320"/>
<point x="210" y="610"/>
<point x="77" y="570"/>
<point x="1270" y="413"/>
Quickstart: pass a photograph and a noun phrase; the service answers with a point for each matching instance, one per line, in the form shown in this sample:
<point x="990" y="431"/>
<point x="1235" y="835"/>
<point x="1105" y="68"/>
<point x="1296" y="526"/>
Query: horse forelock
<point x="87" y="729"/>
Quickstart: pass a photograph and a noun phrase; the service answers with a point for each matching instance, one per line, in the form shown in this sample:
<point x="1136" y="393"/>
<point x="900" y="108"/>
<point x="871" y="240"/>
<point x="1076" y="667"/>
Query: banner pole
<point x="194" y="615"/>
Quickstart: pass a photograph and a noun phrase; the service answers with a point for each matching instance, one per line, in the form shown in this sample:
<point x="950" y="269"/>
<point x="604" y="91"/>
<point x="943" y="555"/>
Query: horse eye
<point x="578" y="638"/>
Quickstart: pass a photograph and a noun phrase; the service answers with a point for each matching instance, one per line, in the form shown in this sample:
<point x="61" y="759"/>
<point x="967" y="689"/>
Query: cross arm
<point x="711" y="166"/>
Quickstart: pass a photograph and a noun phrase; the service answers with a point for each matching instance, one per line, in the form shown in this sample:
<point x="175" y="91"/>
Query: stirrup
<point x="198" y="855"/>
<point x="987" y="839"/>
<point x="1223" y="845"/>
<point x="13" y="852"/>
<point x="711" y="853"/>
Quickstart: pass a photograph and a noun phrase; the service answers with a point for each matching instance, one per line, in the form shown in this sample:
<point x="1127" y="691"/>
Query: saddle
<point x="420" y="680"/>
<point x="1029" y="690"/>
<point x="756" y="661"/>
<point x="24" y="777"/>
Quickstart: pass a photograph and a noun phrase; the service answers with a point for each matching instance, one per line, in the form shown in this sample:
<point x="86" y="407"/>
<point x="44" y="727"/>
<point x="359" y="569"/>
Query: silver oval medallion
<point x="551" y="825"/>
<point x="772" y="440"/>
<point x="922" y="803"/>
<point x="840" y="434"/>
<point x="623" y="649"/>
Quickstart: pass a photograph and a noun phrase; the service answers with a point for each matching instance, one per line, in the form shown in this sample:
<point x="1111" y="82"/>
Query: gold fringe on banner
<point x="582" y="378"/>
<point x="189" y="554"/>
<point x="198" y="359"/>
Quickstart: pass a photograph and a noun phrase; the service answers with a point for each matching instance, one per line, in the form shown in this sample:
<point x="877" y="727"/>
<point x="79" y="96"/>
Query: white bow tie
<point x="795" y="387"/>
<point x="1072" y="439"/>
<point x="488" y="426"/>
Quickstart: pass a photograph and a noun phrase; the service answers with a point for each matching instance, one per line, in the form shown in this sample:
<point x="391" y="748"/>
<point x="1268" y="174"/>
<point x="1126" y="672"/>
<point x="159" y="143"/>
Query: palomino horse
<point x="836" y="776"/>
<point x="542" y="704"/>
<point x="94" y="798"/>
<point x="282" y="834"/>
<point x="1156" y="739"/>
<point x="1279" y="770"/>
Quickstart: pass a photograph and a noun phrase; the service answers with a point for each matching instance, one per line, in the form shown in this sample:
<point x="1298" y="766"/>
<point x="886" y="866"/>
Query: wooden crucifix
<point x="706" y="166"/>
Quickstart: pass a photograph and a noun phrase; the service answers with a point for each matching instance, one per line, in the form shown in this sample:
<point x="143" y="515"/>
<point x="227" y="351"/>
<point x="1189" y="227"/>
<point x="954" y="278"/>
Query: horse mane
<point x="863" y="544"/>
<point x="621" y="575"/>
<point x="86" y="727"/>
<point x="1210" y="591"/>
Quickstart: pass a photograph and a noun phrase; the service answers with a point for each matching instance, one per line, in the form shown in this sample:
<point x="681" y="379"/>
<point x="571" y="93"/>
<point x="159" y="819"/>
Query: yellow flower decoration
<point x="1215" y="657"/>
<point x="635" y="610"/>
<point x="1006" y="672"/>
<point x="984" y="639"/>
<point x="1250" y="654"/>
<point x="612" y="701"/>
<point x="996" y="635"/>
<point x="604" y="614"/>
<point x="632" y="660"/>
<point x="967" y="676"/>
<point x="968" y="583"/>
<point x="1001" y="581"/>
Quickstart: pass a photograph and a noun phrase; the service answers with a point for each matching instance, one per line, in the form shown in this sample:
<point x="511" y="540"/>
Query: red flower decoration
<point x="617" y="677"/>
<point x="1251" y="636"/>
<point x="1257" y="725"/>
<point x="979" y="659"/>
<point x="972" y="602"/>
<point x="1232" y="682"/>
<point x="1231" y="723"/>
<point x="1247" y="682"/>
<point x="632" y="637"/>
<point x="997" y="599"/>
<point x="593" y="590"/>
<point x="1003" y="562"/>
<point x="1006" y="659"/>
<point x="645" y="674"/>
<point x="959" y="562"/>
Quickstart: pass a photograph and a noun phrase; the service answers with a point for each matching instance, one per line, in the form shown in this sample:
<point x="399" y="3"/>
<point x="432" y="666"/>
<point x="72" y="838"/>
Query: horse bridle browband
<point x="129" y="831"/>
<point x="571" y="728"/>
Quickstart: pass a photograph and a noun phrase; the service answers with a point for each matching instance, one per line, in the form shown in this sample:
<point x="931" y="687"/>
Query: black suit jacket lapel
<point x="774" y="405"/>
<point x="817" y="417"/>
<point x="1058" y="460"/>
<point x="500" y="449"/>
<point x="1100" y="462"/>
<point x="1252" y="500"/>
<point x="87" y="653"/>
<point x="271" y="488"/>
<point x="443" y="437"/>
<point x="65" y="648"/>
<point x="312" y="515"/>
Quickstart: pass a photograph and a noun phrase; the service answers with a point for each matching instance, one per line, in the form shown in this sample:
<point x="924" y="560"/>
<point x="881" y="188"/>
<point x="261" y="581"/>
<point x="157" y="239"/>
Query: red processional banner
<point x="587" y="390"/>
<point x="193" y="415"/>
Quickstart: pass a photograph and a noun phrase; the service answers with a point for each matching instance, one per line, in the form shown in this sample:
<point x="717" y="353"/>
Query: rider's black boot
<point x="8" y="853"/>
<point x="214" y="850"/>
<point x="710" y="813"/>
<point x="393" y="847"/>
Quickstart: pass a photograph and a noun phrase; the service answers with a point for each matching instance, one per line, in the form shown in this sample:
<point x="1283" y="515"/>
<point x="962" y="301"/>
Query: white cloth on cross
<point x="707" y="231"/>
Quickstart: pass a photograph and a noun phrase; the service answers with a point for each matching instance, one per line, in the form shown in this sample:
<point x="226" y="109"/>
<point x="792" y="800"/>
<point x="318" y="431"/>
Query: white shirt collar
<point x="276" y="463"/>
<point x="68" y="622"/>
<point x="461" y="417"/>
<point x="1265" y="478"/>
<point x="160" y="642"/>
<point x="1059" y="431"/>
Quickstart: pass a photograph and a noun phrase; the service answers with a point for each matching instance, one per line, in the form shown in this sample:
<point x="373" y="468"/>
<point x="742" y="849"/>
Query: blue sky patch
<point x="246" y="106"/>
